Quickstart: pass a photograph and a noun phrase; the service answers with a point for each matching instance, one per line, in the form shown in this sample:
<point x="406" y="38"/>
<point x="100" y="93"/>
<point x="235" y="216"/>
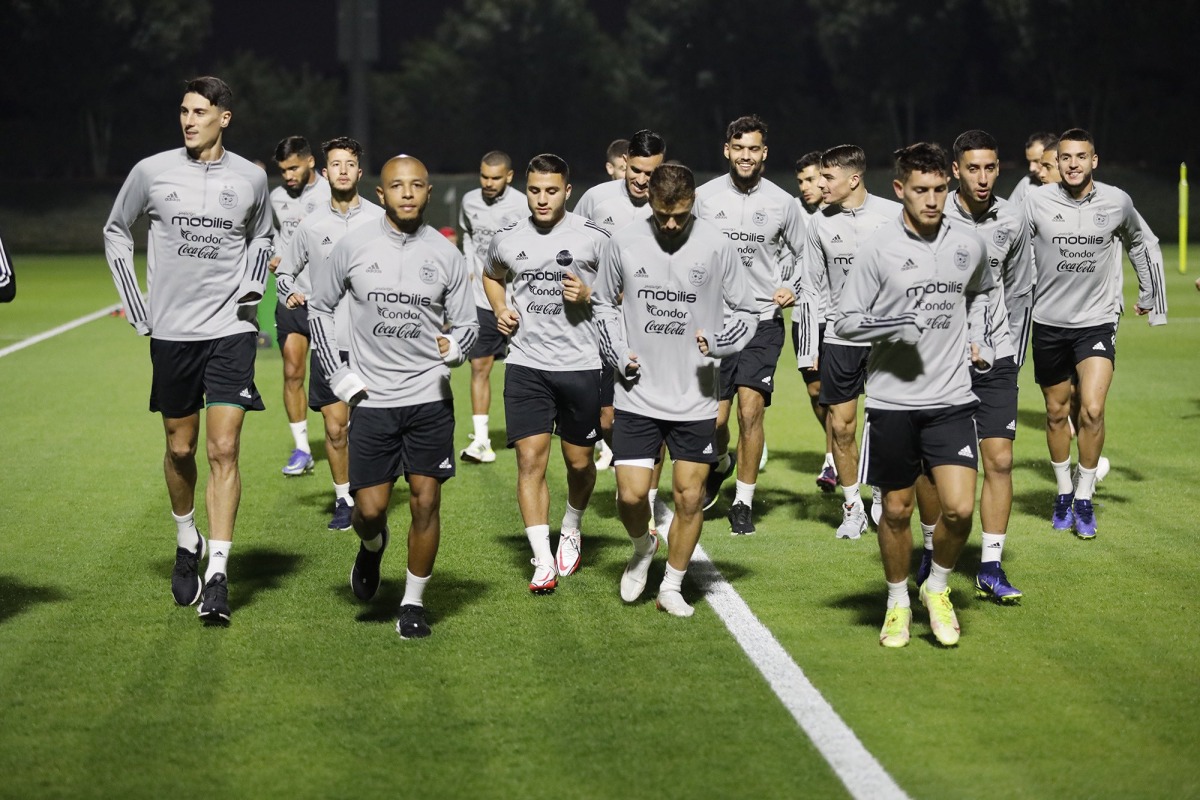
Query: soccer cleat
<point x="1063" y="519"/>
<point x="992" y="582"/>
<point x="342" y="512"/>
<point x="1102" y="468"/>
<point x="300" y="463"/>
<point x="633" y="580"/>
<point x="925" y="565"/>
<point x="854" y="521"/>
<point x="1085" y="519"/>
<point x="716" y="477"/>
<point x="479" y="451"/>
<point x="604" y="456"/>
<point x="412" y="624"/>
<point x="895" y="631"/>
<point x="827" y="480"/>
<point x="762" y="461"/>
<point x="941" y="616"/>
<point x="185" y="578"/>
<point x="364" y="576"/>
<point x="545" y="578"/>
<point x="876" y="505"/>
<point x="674" y="604"/>
<point x="570" y="552"/>
<point x="214" y="600"/>
<point x="740" y="521"/>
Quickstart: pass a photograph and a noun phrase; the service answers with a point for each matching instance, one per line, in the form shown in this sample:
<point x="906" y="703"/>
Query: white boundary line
<point x="41" y="337"/>
<point x="863" y="776"/>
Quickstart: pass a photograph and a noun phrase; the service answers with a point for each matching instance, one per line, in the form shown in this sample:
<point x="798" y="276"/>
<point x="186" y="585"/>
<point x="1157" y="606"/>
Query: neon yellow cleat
<point x="941" y="616"/>
<point x="895" y="627"/>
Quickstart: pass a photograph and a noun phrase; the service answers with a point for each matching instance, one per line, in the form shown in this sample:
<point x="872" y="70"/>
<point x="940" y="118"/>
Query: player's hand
<point x="274" y="263"/>
<point x="575" y="290"/>
<point x="701" y="342"/>
<point x="632" y="368"/>
<point x="507" y="321"/>
<point x="784" y="298"/>
<point x="976" y="360"/>
<point x="1141" y="312"/>
<point x="443" y="346"/>
<point x="248" y="313"/>
<point x="359" y="396"/>
<point x="816" y="367"/>
<point x="295" y="300"/>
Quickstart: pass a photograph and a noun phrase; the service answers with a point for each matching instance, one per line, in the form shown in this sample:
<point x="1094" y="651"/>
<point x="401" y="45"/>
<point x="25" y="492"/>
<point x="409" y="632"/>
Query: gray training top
<point x="480" y="221"/>
<point x="289" y="212"/>
<point x="610" y="206"/>
<point x="401" y="288"/>
<point x="209" y="244"/>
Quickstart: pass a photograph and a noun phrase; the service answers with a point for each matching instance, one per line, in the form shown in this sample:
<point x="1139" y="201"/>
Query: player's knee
<point x="222" y="451"/>
<point x="1091" y="415"/>
<point x="689" y="499"/>
<point x="956" y="515"/>
<point x="898" y="508"/>
<point x="998" y="464"/>
<point x="181" y="452"/>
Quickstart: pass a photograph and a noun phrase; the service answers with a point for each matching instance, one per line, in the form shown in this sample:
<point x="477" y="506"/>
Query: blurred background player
<point x="311" y="244"/>
<point x="303" y="192"/>
<point x="1035" y="147"/>
<point x="8" y="277"/>
<point x="615" y="157"/>
<point x="615" y="163"/>
<point x="484" y="211"/>
<point x="539" y="278"/>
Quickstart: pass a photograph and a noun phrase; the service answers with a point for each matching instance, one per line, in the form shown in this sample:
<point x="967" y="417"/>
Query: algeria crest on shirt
<point x="1100" y="218"/>
<point x="760" y="217"/>
<point x="697" y="275"/>
<point x="227" y="198"/>
<point x="1000" y="237"/>
<point x="428" y="273"/>
<point x="962" y="258"/>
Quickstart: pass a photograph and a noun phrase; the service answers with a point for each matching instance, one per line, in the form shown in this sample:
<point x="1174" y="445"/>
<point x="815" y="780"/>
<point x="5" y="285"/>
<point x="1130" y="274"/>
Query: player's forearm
<point x="735" y="335"/>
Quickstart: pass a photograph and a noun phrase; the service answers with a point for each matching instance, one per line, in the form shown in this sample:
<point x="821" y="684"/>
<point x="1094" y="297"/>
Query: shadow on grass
<point x="261" y="570"/>
<point x="1033" y="420"/>
<point x="17" y="596"/>
<point x="446" y="596"/>
<point x="806" y="504"/>
<point x="1040" y="503"/>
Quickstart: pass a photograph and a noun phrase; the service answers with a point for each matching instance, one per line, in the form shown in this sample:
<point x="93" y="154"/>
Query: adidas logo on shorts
<point x="374" y="267"/>
<point x="326" y="240"/>
<point x="837" y="239"/>
<point x="521" y="256"/>
<point x="966" y="452"/>
<point x="172" y="198"/>
<point x="245" y="393"/>
<point x="707" y="449"/>
<point x="445" y="464"/>
<point x="641" y="273"/>
<point x="608" y="221"/>
<point x="721" y="215"/>
<point x="592" y="435"/>
<point x="1100" y="346"/>
<point x="1012" y="426"/>
<point x="767" y="380"/>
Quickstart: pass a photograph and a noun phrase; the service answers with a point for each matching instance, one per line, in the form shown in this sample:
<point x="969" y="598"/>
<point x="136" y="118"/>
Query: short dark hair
<point x="496" y="158"/>
<point x="921" y="157"/>
<point x="974" y="140"/>
<point x="617" y="148"/>
<point x="292" y="146"/>
<point x="548" y="163"/>
<point x="1044" y="138"/>
<point x="748" y="124"/>
<point x="1077" y="135"/>
<point x="671" y="184"/>
<point x="343" y="143"/>
<point x="807" y="160"/>
<point x="646" y="143"/>
<point x="1051" y="145"/>
<point x="846" y="156"/>
<point x="214" y="90"/>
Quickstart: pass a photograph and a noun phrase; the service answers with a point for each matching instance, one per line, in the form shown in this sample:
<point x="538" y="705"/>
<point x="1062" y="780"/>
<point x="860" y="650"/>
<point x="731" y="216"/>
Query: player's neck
<point x="342" y="202"/>
<point x="1081" y="191"/>
<point x="856" y="199"/>
<point x="974" y="206"/>
<point x="927" y="232"/>
<point x="745" y="185"/>
<point x="408" y="226"/>
<point x="214" y="152"/>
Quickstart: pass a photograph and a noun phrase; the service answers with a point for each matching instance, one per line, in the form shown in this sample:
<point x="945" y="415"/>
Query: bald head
<point x="404" y="192"/>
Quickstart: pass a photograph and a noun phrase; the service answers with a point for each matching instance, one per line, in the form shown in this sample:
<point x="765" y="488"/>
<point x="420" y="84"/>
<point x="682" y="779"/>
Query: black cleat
<point x="740" y="521"/>
<point x="185" y="578"/>
<point x="364" y="577"/>
<point x="716" y="477"/>
<point x="412" y="624"/>
<point x="214" y="600"/>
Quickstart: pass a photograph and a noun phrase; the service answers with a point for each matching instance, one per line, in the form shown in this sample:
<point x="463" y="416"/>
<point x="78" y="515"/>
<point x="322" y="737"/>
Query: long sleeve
<point x="258" y="246"/>
<point x="291" y="263"/>
<point x="118" y="247"/>
<point x="1144" y="253"/>
<point x="610" y="324"/>
<point x="328" y="287"/>
<point x="742" y="319"/>
<point x="1017" y="276"/>
<point x="978" y="297"/>
<point x="8" y="276"/>
<point x="460" y="312"/>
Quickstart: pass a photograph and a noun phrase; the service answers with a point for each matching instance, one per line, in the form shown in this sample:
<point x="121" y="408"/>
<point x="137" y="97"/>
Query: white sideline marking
<point x="863" y="776"/>
<point x="41" y="337"/>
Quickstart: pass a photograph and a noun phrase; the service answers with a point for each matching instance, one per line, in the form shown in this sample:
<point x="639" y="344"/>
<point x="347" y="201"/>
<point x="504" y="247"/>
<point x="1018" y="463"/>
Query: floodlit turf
<point x="1088" y="688"/>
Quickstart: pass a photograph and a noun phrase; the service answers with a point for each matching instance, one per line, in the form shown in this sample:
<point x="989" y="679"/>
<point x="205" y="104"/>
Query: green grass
<point x="1088" y="689"/>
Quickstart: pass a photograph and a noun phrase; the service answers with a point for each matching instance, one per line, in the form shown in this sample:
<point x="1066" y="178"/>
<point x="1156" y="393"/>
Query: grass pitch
<point x="1087" y="689"/>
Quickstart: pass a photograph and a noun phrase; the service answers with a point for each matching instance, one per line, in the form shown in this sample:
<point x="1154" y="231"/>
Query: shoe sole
<point x="543" y="589"/>
<point x="474" y="460"/>
<point x="986" y="594"/>
<point x="294" y="474"/>
<point x="1085" y="536"/>
<point x="827" y="488"/>
<point x="213" y="617"/>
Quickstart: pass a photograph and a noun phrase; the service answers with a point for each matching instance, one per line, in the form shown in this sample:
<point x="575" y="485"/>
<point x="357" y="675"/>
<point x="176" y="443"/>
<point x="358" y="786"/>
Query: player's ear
<point x="324" y="173"/>
<point x="567" y="193"/>
<point x="899" y="187"/>
<point x="226" y="116"/>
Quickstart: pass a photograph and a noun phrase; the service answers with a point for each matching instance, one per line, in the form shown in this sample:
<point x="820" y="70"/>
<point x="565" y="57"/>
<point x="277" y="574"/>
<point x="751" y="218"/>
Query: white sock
<point x="642" y="544"/>
<point x="480" y="421"/>
<point x="603" y="447"/>
<point x="672" y="580"/>
<point x="853" y="498"/>
<point x="374" y="545"/>
<point x="927" y="533"/>
<point x="539" y="540"/>
<point x="829" y="461"/>
<point x="898" y="595"/>
<point x="939" y="578"/>
<point x="300" y="434"/>
<point x="659" y="510"/>
<point x="571" y="518"/>
<point x="1087" y="483"/>
<point x="414" y="589"/>
<point x="993" y="548"/>
<point x="722" y="462"/>
<point x="186" y="535"/>
<point x="1062" y="474"/>
<point x="342" y="492"/>
<point x="744" y="493"/>
<point x="218" y="555"/>
<point x="653" y="497"/>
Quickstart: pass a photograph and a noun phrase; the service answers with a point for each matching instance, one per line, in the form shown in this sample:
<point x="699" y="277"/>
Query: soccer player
<point x="484" y="211"/>
<point x="310" y="246"/>
<point x="8" y="277"/>
<point x="303" y="192"/>
<point x="1048" y="166"/>
<point x="1035" y="148"/>
<point x="835" y="234"/>
<point x="918" y="294"/>
<point x="1074" y="226"/>
<point x="767" y="228"/>
<point x="678" y="275"/>
<point x="539" y="277"/>
<point x="975" y="207"/>
<point x="615" y="157"/>
<point x="403" y="282"/>
<point x="209" y="244"/>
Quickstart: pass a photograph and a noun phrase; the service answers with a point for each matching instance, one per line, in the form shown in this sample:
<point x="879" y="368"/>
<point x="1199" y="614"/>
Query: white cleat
<point x="674" y="604"/>
<point x="544" y="580"/>
<point x="854" y="521"/>
<point x="876" y="505"/>
<point x="570" y="552"/>
<point x="633" y="581"/>
<point x="1102" y="468"/>
<point x="478" y="452"/>
<point x="762" y="462"/>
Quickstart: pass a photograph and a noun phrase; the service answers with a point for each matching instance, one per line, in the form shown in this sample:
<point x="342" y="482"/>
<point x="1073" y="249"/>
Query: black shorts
<point x="810" y="376"/>
<point x="996" y="417"/>
<point x="411" y="440"/>
<point x="843" y="370"/>
<point x="608" y="386"/>
<point x="290" y="320"/>
<point x="541" y="401"/>
<point x="639" y="437"/>
<point x="189" y="375"/>
<point x="898" y="446"/>
<point x="490" y="342"/>
<point x="1056" y="350"/>
<point x="320" y="393"/>
<point x="754" y="364"/>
